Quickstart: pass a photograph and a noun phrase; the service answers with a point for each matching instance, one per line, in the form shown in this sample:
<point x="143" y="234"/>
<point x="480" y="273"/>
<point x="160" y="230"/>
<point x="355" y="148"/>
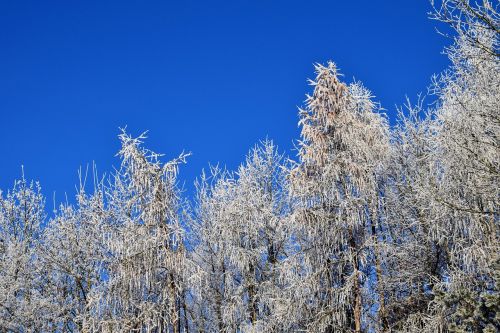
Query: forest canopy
<point x="370" y="228"/>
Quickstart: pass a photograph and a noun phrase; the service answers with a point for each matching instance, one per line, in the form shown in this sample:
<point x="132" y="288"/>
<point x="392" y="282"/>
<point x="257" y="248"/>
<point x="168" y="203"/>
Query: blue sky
<point x="209" y="77"/>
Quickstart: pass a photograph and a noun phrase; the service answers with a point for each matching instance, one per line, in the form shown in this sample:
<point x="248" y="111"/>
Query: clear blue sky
<point x="210" y="77"/>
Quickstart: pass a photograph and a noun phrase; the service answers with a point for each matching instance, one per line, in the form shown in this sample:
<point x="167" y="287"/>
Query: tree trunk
<point x="252" y="306"/>
<point x="174" y="314"/>
<point x="382" y="313"/>
<point x="356" y="288"/>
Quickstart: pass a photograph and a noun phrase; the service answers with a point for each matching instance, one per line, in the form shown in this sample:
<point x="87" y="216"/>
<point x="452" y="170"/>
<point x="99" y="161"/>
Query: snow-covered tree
<point x="242" y="241"/>
<point x="144" y="284"/>
<point x="74" y="258"/>
<point x="443" y="198"/>
<point x="467" y="152"/>
<point x="22" y="293"/>
<point x="414" y="250"/>
<point x="344" y="143"/>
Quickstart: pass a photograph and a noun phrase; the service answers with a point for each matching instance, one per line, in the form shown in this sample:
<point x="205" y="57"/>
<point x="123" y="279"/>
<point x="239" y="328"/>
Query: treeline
<point x="370" y="229"/>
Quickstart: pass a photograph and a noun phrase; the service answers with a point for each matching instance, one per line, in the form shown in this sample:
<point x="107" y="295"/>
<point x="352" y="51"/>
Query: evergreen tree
<point x="343" y="145"/>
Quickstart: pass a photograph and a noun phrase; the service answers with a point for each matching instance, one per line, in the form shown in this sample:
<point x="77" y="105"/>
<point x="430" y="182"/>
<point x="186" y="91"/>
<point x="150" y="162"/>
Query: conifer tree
<point x="242" y="241"/>
<point x="145" y="279"/>
<point x="343" y="145"/>
<point x="22" y="294"/>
